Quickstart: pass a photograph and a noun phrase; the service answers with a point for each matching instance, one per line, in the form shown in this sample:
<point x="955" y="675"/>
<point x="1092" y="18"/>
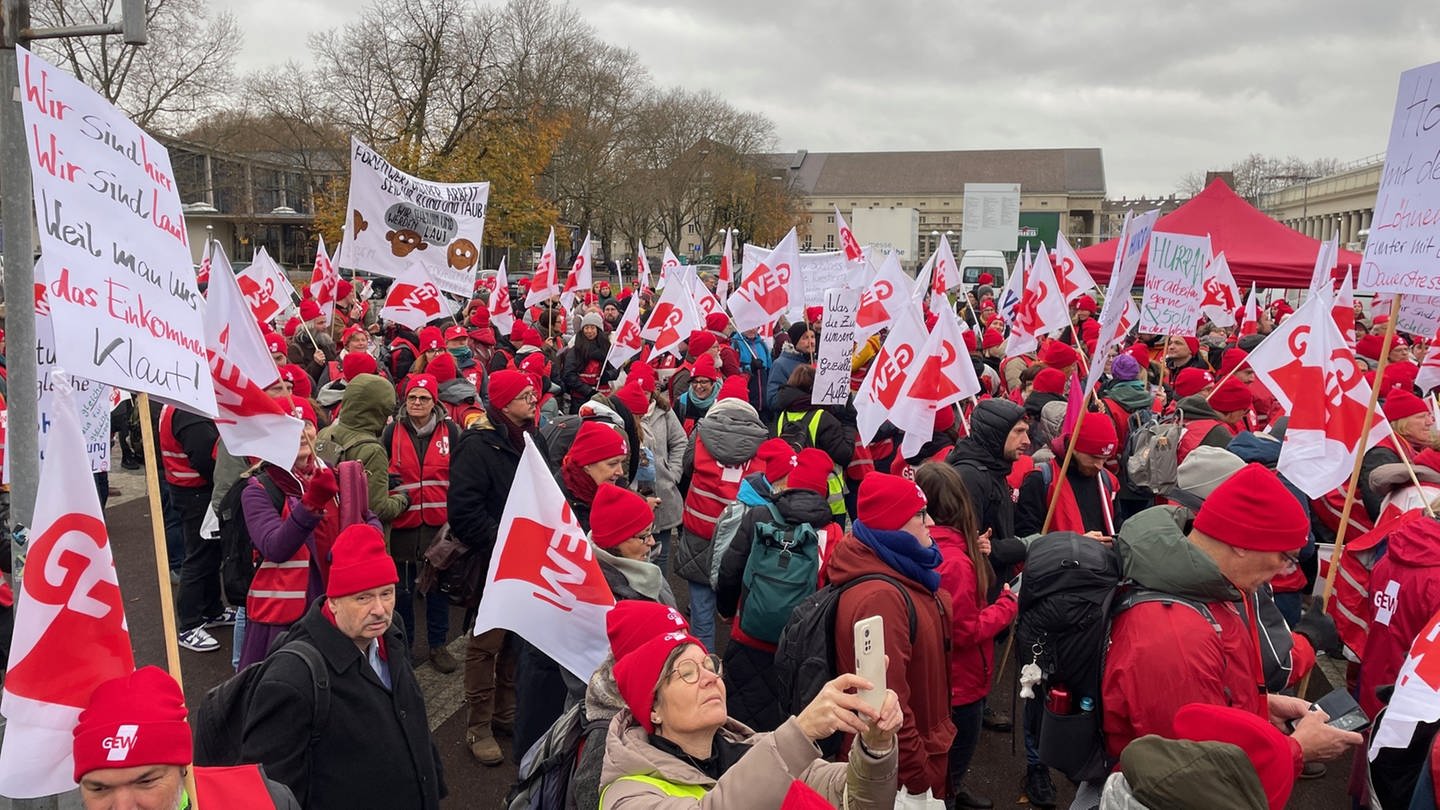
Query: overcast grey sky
<point x="1164" y="88"/>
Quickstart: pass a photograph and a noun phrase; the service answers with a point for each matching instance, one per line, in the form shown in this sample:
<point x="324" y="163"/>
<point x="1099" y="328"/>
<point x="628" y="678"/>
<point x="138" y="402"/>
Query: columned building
<point x="1342" y="202"/>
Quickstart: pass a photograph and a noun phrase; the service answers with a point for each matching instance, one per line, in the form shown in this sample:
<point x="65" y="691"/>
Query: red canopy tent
<point x="1257" y="248"/>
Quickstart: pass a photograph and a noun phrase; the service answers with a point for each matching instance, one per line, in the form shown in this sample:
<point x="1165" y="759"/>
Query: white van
<point x="975" y="262"/>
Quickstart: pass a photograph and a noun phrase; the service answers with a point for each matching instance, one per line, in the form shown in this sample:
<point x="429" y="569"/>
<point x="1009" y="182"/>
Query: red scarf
<point x="578" y="482"/>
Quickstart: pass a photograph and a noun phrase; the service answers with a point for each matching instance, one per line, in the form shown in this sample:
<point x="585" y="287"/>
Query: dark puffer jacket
<point x="980" y="459"/>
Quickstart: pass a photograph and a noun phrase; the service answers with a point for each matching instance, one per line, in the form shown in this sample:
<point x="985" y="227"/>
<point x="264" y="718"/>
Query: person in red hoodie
<point x="1405" y="586"/>
<point x="965" y="574"/>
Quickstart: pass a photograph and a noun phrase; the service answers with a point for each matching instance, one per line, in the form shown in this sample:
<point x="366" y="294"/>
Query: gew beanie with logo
<point x="136" y="719"/>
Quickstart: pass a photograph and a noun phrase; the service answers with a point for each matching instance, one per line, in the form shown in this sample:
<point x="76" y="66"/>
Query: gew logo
<point x="119" y="746"/>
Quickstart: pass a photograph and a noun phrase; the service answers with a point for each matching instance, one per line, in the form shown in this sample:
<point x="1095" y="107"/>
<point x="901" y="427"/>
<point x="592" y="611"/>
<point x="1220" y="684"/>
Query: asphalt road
<point x="996" y="772"/>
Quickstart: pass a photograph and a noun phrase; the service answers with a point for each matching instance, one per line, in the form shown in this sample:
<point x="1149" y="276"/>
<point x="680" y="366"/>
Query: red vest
<point x="425" y="482"/>
<point x="1193" y="434"/>
<point x="277" y="593"/>
<point x="178" y="470"/>
<point x="712" y="487"/>
<point x="902" y="468"/>
<point x="1067" y="511"/>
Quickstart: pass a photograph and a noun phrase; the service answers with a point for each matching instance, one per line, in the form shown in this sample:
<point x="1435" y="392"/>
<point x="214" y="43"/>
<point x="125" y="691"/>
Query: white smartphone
<point x="870" y="659"/>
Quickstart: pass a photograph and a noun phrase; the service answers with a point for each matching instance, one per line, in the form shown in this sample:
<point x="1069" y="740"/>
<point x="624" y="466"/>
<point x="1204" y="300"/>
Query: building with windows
<point x="1320" y="207"/>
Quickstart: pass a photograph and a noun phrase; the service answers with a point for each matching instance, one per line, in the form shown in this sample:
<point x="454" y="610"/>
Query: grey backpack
<point x="1151" y="456"/>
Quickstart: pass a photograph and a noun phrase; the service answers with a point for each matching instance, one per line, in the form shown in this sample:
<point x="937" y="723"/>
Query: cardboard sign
<point x="837" y="347"/>
<point x="395" y="219"/>
<point x="1401" y="253"/>
<point x="122" y="288"/>
<point x="1174" y="283"/>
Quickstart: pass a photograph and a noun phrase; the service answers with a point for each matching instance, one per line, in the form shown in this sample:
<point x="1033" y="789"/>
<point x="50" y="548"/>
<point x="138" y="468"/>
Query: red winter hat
<point x="813" y="314"/>
<point x="343" y="289"/>
<point x="638" y="674"/>
<point x="130" y="721"/>
<point x="716" y="321"/>
<point x="309" y="310"/>
<point x="1231" y="360"/>
<point x="801" y="796"/>
<point x="1401" y="403"/>
<point x="1141" y="354"/>
<point x="423" y="381"/>
<point x="298" y="408"/>
<point x="1399" y="374"/>
<point x="985" y="278"/>
<point x="812" y="471"/>
<point x="1097" y="436"/>
<point x="701" y="341"/>
<point x="1049" y="381"/>
<point x="1369" y="347"/>
<point x="1191" y="343"/>
<point x="1267" y="748"/>
<point x="777" y="459"/>
<point x="704" y="368"/>
<point x="1085" y="304"/>
<point x="443" y="367"/>
<point x="887" y="502"/>
<point x="618" y="514"/>
<point x="633" y="397"/>
<point x="1253" y="510"/>
<point x="971" y="344"/>
<point x="644" y="375"/>
<point x="456" y="333"/>
<point x="431" y="338"/>
<point x="275" y="343"/>
<point x="358" y="363"/>
<point x="1190" y="381"/>
<point x="1058" y="355"/>
<point x="1231" y="395"/>
<point x="506" y="385"/>
<point x="992" y="338"/>
<point x="734" y="387"/>
<point x="532" y="337"/>
<point x="596" y="441"/>
<point x="351" y="331"/>
<point x="359" y="562"/>
<point x="300" y="383"/>
<point x="632" y="622"/>
<point x="944" y="418"/>
<point x="291" y="327"/>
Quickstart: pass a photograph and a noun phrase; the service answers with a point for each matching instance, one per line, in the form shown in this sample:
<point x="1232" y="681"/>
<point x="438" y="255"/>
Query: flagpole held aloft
<point x="157" y="531"/>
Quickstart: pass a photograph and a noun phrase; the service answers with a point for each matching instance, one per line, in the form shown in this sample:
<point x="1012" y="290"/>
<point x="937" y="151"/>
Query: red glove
<point x="322" y="490"/>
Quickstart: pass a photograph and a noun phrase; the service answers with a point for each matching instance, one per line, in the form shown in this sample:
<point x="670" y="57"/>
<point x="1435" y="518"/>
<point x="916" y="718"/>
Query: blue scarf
<point x="902" y="552"/>
<point x="687" y="398"/>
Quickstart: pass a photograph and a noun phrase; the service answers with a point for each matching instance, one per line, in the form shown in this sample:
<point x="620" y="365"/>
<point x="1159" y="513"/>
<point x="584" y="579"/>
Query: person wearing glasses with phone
<point x="675" y="744"/>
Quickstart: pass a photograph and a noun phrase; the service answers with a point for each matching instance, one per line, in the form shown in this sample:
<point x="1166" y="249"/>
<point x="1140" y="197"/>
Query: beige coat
<point x="759" y="779"/>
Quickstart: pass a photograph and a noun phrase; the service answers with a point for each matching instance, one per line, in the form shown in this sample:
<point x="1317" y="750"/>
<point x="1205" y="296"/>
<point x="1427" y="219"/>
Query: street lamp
<point x="1304" y="193"/>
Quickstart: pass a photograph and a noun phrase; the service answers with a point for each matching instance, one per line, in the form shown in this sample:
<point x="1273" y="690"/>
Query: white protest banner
<point x="122" y="287"/>
<point x="837" y="347"/>
<point x="1400" y="252"/>
<point x="1419" y="315"/>
<point x="393" y="216"/>
<point x="92" y="398"/>
<point x="1174" y="283"/>
<point x="1116" y="314"/>
<point x="992" y="216"/>
<point x="414" y="299"/>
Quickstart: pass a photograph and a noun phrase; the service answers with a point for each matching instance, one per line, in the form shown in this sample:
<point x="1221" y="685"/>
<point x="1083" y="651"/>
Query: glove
<point x="1319" y="629"/>
<point x="395" y="482"/>
<point x="322" y="490"/>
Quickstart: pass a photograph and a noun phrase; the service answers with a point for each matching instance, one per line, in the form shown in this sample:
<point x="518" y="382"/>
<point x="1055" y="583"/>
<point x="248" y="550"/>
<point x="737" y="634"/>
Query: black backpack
<point x="237" y="556"/>
<point x="219" y="722"/>
<point x="543" y="781"/>
<point x="559" y="434"/>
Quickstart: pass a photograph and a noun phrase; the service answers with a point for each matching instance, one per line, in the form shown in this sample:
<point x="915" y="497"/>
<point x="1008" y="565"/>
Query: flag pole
<point x="1065" y="465"/>
<point x="162" y="564"/>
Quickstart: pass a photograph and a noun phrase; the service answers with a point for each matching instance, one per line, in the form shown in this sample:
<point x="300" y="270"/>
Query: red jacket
<point x="919" y="673"/>
<point x="1405" y="593"/>
<point x="973" y="629"/>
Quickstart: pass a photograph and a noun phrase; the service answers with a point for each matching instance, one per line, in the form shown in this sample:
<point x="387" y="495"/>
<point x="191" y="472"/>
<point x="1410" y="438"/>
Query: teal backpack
<point x="781" y="571"/>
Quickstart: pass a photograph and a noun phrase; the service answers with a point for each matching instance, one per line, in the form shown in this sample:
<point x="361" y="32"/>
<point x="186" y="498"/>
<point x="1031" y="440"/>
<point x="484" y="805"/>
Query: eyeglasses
<point x="1292" y="561"/>
<point x="647" y="536"/>
<point x="419" y="399"/>
<point x="688" y="670"/>
<point x="528" y="398"/>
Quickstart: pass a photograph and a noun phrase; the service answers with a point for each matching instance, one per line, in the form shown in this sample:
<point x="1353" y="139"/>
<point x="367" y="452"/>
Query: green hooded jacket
<point x="368" y="403"/>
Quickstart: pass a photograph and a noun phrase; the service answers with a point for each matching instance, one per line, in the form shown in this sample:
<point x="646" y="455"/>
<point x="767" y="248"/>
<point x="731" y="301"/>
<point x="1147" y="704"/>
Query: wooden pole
<point x="1065" y="465"/>
<point x="162" y="564"/>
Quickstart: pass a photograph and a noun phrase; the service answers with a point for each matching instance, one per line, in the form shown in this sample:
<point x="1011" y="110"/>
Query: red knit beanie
<point x="1049" y="381"/>
<point x="704" y="368"/>
<point x="633" y="622"/>
<point x="596" y="441"/>
<point x="275" y="343"/>
<point x="1097" y="436"/>
<point x="618" y="514"/>
<point x="1191" y="381"/>
<point x="1401" y="375"/>
<point x="291" y="327"/>
<point x="358" y="363"/>
<point x="701" y="341"/>
<point x="1058" y="355"/>
<point x="633" y="397"/>
<point x="887" y="502"/>
<point x="1232" y="395"/>
<point x="1267" y="748"/>
<point x="812" y="471"/>
<point x="343" y="289"/>
<point x="443" y="367"/>
<point x="1369" y="346"/>
<point x="944" y="418"/>
<point x="425" y="382"/>
<point x="1141" y="353"/>
<point x="638" y="674"/>
<point x="1400" y="403"/>
<point x="734" y="387"/>
<point x="300" y="383"/>
<point x="136" y="719"/>
<point x="992" y="338"/>
<point x="777" y="459"/>
<point x="1192" y="343"/>
<point x="1253" y="510"/>
<point x="644" y="375"/>
<point x="506" y="385"/>
<point x="1231" y="360"/>
<point x="716" y="321"/>
<point x="309" y="310"/>
<point x="971" y="345"/>
<point x="298" y="408"/>
<point x="359" y="562"/>
<point x="1085" y="304"/>
<point x="431" y="338"/>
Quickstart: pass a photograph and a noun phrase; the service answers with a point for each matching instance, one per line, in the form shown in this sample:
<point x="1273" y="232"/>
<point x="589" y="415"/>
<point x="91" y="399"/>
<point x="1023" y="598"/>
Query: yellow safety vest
<point x="668" y="788"/>
<point x="834" y="486"/>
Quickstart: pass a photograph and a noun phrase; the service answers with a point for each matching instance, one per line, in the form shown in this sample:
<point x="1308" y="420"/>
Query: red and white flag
<point x="1429" y="376"/>
<point x="1220" y="294"/>
<point x="1344" y="310"/>
<point x="626" y="342"/>
<point x="786" y="254"/>
<point x="1312" y="372"/>
<point x="882" y="298"/>
<point x="764" y="294"/>
<point x="705" y="301"/>
<point x="1416" y="698"/>
<point x="70" y="632"/>
<point x="545" y="283"/>
<point x="502" y="315"/>
<point x="881" y="395"/>
<point x="250" y="422"/>
<point x="943" y="376"/>
<point x="944" y="274"/>
<point x="1041" y="309"/>
<point x="727" y="266"/>
<point x="544" y="583"/>
<point x="672" y="319"/>
<point x="579" y="280"/>
<point x="848" y="242"/>
<point x="266" y="289"/>
<point x="1070" y="273"/>
<point x="202" y="274"/>
<point x="1014" y="289"/>
<point x="1327" y="258"/>
<point x="415" y="299"/>
<point x="1120" y="313"/>
<point x="642" y="267"/>
<point x="324" y="282"/>
<point x="1250" y="316"/>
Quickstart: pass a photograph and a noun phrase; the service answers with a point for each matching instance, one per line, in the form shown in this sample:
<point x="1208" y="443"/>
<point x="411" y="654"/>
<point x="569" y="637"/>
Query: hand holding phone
<point x="870" y="659"/>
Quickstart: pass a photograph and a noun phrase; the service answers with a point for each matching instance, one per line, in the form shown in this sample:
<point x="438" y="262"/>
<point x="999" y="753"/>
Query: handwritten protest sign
<point x="1174" y="283"/>
<point x="122" y="288"/>
<point x="396" y="219"/>
<point x="1402" y="254"/>
<point x="837" y="346"/>
<point x="1419" y="315"/>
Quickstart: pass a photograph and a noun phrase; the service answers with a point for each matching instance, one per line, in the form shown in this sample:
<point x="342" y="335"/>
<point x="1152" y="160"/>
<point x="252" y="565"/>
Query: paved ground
<point x="996" y="772"/>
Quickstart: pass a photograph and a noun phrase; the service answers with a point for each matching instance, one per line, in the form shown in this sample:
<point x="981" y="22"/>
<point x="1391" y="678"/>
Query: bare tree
<point x="1257" y="175"/>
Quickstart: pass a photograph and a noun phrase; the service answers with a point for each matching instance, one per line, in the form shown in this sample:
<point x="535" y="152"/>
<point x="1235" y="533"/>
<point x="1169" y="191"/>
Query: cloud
<point x="1163" y="88"/>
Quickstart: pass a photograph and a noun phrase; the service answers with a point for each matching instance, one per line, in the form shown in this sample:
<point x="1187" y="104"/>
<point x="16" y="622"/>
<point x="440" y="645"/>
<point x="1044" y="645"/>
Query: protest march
<point x="777" y="532"/>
